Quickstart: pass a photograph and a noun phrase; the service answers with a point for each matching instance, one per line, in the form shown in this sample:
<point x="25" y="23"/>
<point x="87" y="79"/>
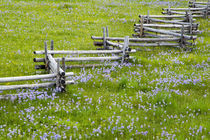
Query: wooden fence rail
<point x="195" y="2"/>
<point x="137" y="30"/>
<point x="170" y="16"/>
<point x="194" y="26"/>
<point x="82" y="59"/>
<point x="136" y="39"/>
<point x="185" y="9"/>
<point x="153" y="20"/>
<point x="81" y="52"/>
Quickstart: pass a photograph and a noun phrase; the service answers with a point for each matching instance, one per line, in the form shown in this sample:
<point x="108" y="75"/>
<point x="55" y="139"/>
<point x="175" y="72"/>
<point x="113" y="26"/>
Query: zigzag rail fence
<point x="151" y="31"/>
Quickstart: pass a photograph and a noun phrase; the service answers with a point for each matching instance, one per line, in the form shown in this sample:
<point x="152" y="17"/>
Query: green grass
<point x="163" y="94"/>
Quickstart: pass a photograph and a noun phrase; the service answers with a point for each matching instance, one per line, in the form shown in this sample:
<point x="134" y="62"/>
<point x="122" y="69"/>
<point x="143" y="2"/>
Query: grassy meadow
<point x="161" y="94"/>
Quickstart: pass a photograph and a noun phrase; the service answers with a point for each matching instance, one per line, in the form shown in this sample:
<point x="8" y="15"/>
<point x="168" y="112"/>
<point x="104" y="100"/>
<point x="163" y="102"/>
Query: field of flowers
<point x="161" y="94"/>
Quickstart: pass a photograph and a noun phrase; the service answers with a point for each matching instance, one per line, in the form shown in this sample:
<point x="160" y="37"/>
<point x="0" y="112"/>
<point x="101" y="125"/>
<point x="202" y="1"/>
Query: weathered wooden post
<point x="58" y="76"/>
<point x="206" y="11"/>
<point x="63" y="77"/>
<point x="193" y="4"/>
<point x="107" y="32"/>
<point x="148" y="17"/>
<point x="60" y="79"/>
<point x="182" y="37"/>
<point x="63" y="64"/>
<point x="46" y="58"/>
<point x="191" y="23"/>
<point x="52" y="47"/>
<point x="141" y="28"/>
<point x="169" y="9"/>
<point x="125" y="47"/>
<point x="107" y="35"/>
<point x="104" y="38"/>
<point x="187" y="16"/>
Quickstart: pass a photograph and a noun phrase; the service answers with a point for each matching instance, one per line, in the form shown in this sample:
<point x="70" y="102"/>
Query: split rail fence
<point x="175" y="23"/>
<point x="112" y="42"/>
<point x="197" y="9"/>
<point x="177" y="30"/>
<point x="121" y="54"/>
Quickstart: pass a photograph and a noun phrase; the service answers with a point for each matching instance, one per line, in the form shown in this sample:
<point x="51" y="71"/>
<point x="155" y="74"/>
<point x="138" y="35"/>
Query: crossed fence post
<point x="50" y="62"/>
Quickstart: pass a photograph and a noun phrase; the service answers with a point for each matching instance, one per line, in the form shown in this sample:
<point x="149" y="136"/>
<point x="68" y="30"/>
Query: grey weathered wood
<point x="25" y="78"/>
<point x="46" y="57"/>
<point x="157" y="35"/>
<point x="182" y="37"/>
<point x="114" y="44"/>
<point x="107" y="35"/>
<point x="178" y="31"/>
<point x="69" y="74"/>
<point x="163" y="36"/>
<point x="69" y="82"/>
<point x="174" y="20"/>
<point x="184" y="9"/>
<point x="52" y="46"/>
<point x="168" y="33"/>
<point x="86" y="65"/>
<point x="167" y="25"/>
<point x="164" y="16"/>
<point x="182" y="13"/>
<point x="196" y="16"/>
<point x="187" y="32"/>
<point x="153" y="44"/>
<point x="170" y="21"/>
<point x="206" y="12"/>
<point x="198" y="6"/>
<point x="82" y="59"/>
<point x="104" y="39"/>
<point x="58" y="77"/>
<point x="191" y="22"/>
<point x="53" y="65"/>
<point x="199" y="2"/>
<point x="125" y="46"/>
<point x="107" y="32"/>
<point x="41" y="85"/>
<point x="63" y="64"/>
<point x="45" y="48"/>
<point x="147" y="17"/>
<point x="81" y="52"/>
<point x="89" y="65"/>
<point x="137" y="39"/>
<point x="142" y="26"/>
<point x="63" y="86"/>
<point x="12" y="87"/>
<point x="169" y="8"/>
